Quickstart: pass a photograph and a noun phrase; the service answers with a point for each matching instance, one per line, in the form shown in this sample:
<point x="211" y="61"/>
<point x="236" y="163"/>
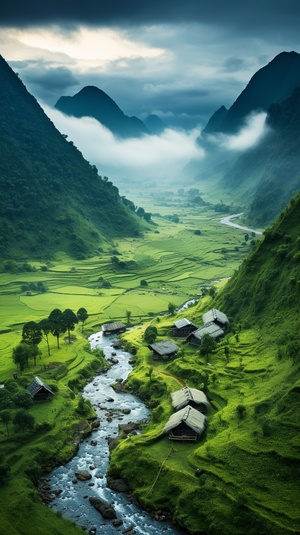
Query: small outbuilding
<point x="39" y="390"/>
<point x="185" y="425"/>
<point x="164" y="350"/>
<point x="217" y="317"/>
<point x="192" y="397"/>
<point x="209" y="328"/>
<point x="113" y="328"/>
<point x="183" y="327"/>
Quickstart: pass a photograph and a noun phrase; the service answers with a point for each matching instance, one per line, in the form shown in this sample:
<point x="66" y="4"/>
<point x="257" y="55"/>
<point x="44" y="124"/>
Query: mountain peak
<point x="93" y="102"/>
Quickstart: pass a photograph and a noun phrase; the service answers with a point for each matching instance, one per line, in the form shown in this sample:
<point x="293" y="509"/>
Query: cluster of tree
<point x="38" y="287"/>
<point x="57" y="323"/>
<point x="150" y="334"/>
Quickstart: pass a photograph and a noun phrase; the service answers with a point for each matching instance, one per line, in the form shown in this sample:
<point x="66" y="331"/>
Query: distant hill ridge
<point x="93" y="102"/>
<point x="52" y="199"/>
<point x="273" y="83"/>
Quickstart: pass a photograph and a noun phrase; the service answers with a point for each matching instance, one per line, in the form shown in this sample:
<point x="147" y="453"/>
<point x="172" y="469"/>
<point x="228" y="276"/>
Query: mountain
<point x="266" y="177"/>
<point x="273" y="83"/>
<point x="242" y="475"/>
<point x="154" y="124"/>
<point x="51" y="197"/>
<point x="93" y="102"/>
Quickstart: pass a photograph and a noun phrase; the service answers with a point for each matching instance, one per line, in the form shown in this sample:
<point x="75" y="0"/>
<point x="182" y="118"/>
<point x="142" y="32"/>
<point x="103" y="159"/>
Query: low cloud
<point x="150" y="157"/>
<point x="248" y="136"/>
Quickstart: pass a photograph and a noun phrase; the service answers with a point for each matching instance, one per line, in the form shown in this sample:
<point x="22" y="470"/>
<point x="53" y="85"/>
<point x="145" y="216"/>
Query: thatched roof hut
<point x="217" y="317"/>
<point x="113" y="328"/>
<point x="39" y="390"/>
<point x="165" y="349"/>
<point x="185" y="425"/>
<point x="183" y="327"/>
<point x="209" y="328"/>
<point x="190" y="396"/>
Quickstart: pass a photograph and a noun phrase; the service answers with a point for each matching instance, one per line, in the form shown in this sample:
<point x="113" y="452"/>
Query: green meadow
<point x="176" y="264"/>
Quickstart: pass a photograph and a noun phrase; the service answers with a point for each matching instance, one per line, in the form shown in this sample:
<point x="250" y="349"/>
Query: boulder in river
<point x="83" y="475"/>
<point x="104" y="508"/>
<point x="117" y="484"/>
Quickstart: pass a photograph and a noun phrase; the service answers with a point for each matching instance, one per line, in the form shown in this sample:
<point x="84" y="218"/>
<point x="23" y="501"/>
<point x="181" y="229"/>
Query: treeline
<point x="57" y="324"/>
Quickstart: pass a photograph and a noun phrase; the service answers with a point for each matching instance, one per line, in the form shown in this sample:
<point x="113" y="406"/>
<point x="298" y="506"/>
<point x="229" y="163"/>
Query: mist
<point x="152" y="157"/>
<point x="248" y="136"/>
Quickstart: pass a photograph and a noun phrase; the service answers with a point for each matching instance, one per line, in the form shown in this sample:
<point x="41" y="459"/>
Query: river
<point x="73" y="500"/>
<point x="227" y="221"/>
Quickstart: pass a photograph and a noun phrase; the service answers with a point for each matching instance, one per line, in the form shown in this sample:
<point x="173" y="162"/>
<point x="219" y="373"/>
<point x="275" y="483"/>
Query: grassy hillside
<point x="51" y="198"/>
<point x="250" y="451"/>
<point x="266" y="177"/>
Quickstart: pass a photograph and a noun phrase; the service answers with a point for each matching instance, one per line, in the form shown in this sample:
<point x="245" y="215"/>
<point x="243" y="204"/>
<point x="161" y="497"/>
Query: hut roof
<point x="191" y="417"/>
<point x="183" y="323"/>
<point x="213" y="315"/>
<point x="113" y="326"/>
<point x="209" y="328"/>
<point x="164" y="348"/>
<point x="37" y="385"/>
<point x="182" y="397"/>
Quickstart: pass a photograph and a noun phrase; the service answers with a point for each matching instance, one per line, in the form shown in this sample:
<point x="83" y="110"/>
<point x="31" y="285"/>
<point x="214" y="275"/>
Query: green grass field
<point x="176" y="264"/>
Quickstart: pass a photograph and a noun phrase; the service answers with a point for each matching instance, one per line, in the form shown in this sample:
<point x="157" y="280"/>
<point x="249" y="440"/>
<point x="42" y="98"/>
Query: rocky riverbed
<point x="80" y="490"/>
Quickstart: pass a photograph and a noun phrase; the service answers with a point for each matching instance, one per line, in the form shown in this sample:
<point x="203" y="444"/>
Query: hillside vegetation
<point x="51" y="198"/>
<point x="249" y="455"/>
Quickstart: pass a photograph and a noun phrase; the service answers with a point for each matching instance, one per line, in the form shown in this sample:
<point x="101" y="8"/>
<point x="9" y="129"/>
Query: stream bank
<point x="79" y="489"/>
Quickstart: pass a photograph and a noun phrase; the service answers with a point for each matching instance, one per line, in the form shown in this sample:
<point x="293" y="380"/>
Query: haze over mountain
<point x="93" y="102"/>
<point x="272" y="83"/>
<point x="51" y="197"/>
<point x="252" y="149"/>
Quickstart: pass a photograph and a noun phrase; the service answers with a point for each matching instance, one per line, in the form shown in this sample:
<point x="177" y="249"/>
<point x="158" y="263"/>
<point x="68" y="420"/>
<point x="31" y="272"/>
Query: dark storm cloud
<point x="243" y="16"/>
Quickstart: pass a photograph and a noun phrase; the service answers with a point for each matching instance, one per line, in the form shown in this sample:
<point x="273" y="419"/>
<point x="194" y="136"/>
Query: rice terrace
<point x="185" y="254"/>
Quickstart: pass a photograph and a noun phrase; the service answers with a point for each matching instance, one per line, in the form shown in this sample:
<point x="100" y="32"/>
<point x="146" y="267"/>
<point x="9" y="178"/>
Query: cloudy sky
<point x="179" y="59"/>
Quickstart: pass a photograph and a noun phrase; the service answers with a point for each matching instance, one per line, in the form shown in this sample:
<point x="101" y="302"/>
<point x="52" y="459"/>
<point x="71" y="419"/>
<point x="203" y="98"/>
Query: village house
<point x="185" y="425"/>
<point x="39" y="390"/>
<point x="164" y="350"/>
<point x="217" y="317"/>
<point x="113" y="328"/>
<point x="182" y="328"/>
<point x="209" y="328"/>
<point x="190" y="397"/>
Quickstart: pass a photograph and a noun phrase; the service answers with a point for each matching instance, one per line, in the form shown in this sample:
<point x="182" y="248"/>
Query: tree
<point x="246" y="237"/>
<point x="171" y="308"/>
<point x="21" y="355"/>
<point x="128" y="316"/>
<point x="23" y="419"/>
<point x="45" y="330"/>
<point x="143" y="283"/>
<point x="5" y="417"/>
<point x="150" y="334"/>
<point x="31" y="333"/>
<point x="22" y="399"/>
<point x="208" y="344"/>
<point x="82" y="316"/>
<point x="57" y="324"/>
<point x="70" y="320"/>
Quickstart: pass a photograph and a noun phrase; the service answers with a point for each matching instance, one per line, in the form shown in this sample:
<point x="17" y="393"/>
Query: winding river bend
<point x="73" y="500"/>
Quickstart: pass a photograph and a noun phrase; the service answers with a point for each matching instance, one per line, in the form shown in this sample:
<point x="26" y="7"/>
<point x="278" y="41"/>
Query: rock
<point x="93" y="443"/>
<point x="117" y="484"/>
<point x="117" y="522"/>
<point x="92" y="467"/>
<point x="110" y="400"/>
<point x="126" y="411"/>
<point x="104" y="508"/>
<point x="83" y="475"/>
<point x="96" y="423"/>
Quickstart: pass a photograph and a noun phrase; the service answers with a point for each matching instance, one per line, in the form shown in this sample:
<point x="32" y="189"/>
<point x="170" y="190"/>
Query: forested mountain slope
<point x="273" y="83"/>
<point x="51" y="198"/>
<point x="93" y="102"/>
<point x="266" y="177"/>
<point x="242" y="475"/>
